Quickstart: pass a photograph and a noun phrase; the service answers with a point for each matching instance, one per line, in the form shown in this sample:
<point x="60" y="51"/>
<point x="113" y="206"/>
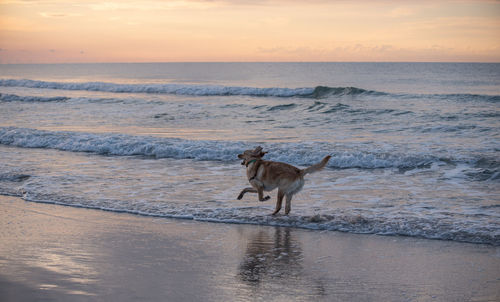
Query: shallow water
<point x="415" y="146"/>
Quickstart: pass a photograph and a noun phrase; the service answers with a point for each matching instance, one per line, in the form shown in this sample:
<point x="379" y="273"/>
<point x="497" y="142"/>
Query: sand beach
<point x="59" y="253"/>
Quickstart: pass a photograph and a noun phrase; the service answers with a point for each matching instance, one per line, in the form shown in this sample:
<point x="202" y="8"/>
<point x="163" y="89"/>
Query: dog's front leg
<point x="246" y="190"/>
<point x="260" y="189"/>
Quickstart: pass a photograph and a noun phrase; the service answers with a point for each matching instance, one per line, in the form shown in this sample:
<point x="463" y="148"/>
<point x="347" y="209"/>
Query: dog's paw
<point x="239" y="197"/>
<point x="266" y="198"/>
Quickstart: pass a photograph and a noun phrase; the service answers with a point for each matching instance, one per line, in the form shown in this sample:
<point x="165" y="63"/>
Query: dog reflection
<point x="271" y="253"/>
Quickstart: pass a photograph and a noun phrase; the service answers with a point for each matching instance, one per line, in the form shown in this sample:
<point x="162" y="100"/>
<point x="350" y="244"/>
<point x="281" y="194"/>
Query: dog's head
<point x="249" y="155"/>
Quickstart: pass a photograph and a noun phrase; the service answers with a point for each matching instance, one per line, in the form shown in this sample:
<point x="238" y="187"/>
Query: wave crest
<point x="321" y="92"/>
<point x="301" y="154"/>
<point x="318" y="92"/>
<point x="180" y="89"/>
<point x="16" y="98"/>
<point x="197" y="90"/>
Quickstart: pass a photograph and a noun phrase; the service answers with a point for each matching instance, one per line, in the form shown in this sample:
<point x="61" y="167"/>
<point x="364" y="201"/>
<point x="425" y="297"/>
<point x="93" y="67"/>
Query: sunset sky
<point x="56" y="31"/>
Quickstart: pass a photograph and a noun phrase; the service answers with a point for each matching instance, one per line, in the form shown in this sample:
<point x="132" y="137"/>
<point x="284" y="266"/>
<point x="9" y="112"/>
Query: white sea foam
<point x="16" y="98"/>
<point x="127" y="145"/>
<point x="479" y="226"/>
<point x="345" y="221"/>
<point x="181" y="89"/>
<point x="220" y="90"/>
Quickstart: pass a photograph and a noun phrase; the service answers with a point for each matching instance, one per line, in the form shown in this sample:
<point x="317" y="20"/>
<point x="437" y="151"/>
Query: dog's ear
<point x="257" y="150"/>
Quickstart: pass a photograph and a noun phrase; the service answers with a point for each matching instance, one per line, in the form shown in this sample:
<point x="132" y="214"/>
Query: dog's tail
<point x="317" y="167"/>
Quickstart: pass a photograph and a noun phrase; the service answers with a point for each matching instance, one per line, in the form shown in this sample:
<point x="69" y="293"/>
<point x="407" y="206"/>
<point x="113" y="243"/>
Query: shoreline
<point x="55" y="253"/>
<point x="237" y="222"/>
<point x="277" y="221"/>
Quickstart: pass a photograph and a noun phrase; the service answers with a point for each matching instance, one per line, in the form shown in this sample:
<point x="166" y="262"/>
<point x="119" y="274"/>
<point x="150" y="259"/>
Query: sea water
<point x="415" y="146"/>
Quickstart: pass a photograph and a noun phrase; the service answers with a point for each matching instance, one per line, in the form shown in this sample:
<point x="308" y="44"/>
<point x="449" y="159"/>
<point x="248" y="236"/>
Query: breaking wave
<point x="16" y="98"/>
<point x="318" y="92"/>
<point x="158" y="147"/>
<point x="185" y="89"/>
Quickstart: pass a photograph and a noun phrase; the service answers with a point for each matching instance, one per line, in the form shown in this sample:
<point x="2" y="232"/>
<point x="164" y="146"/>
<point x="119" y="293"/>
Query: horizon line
<point x="259" y="62"/>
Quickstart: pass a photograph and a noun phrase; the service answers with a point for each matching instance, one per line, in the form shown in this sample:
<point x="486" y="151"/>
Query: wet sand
<point x="58" y="253"/>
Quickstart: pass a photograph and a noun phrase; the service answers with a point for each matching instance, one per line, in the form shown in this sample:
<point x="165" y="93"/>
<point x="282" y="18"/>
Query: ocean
<point x="415" y="146"/>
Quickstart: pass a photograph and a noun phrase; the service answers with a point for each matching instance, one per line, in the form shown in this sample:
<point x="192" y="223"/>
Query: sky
<point x="68" y="31"/>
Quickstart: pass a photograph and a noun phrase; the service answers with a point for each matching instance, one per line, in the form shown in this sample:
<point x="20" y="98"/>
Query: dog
<point x="266" y="176"/>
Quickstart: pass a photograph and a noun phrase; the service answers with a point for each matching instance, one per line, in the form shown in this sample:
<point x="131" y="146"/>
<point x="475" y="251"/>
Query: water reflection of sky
<point x="272" y="256"/>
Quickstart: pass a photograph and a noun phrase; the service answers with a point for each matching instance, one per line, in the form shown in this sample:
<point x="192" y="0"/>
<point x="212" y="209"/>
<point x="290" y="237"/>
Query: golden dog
<point x="266" y="175"/>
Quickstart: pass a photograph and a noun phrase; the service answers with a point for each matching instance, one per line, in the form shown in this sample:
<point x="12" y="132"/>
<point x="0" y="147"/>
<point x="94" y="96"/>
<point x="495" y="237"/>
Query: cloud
<point x="400" y="12"/>
<point x="57" y="15"/>
<point x="151" y="5"/>
<point x="375" y="53"/>
<point x="53" y="15"/>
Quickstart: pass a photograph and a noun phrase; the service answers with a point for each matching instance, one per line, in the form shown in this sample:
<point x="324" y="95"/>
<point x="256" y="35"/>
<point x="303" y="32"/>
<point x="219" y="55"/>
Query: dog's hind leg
<point x="278" y="202"/>
<point x="288" y="205"/>
<point x="246" y="190"/>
